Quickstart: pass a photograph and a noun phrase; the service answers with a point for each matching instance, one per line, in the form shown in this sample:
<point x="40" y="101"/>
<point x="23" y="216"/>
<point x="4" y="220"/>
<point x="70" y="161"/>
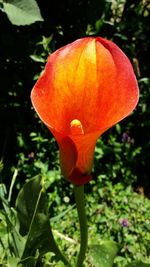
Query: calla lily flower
<point x="87" y="87"/>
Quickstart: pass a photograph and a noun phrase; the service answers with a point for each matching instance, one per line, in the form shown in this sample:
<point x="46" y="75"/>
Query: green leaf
<point x="31" y="205"/>
<point x="62" y="214"/>
<point x="3" y="191"/>
<point x="138" y="264"/>
<point x="29" y="262"/>
<point x="37" y="58"/>
<point x="99" y="23"/>
<point x="12" y="262"/>
<point x="27" y="200"/>
<point x="22" y="12"/>
<point x="9" y="227"/>
<point x="103" y="255"/>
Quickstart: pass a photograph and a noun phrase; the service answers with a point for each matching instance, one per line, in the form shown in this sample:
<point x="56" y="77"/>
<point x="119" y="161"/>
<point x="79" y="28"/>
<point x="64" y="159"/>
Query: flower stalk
<point x="80" y="204"/>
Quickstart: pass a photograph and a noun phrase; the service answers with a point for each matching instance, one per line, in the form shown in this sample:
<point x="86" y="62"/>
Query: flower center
<point x="76" y="127"/>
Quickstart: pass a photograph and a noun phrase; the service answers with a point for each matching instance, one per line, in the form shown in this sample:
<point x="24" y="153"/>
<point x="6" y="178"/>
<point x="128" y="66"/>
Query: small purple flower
<point x="126" y="138"/>
<point x="124" y="222"/>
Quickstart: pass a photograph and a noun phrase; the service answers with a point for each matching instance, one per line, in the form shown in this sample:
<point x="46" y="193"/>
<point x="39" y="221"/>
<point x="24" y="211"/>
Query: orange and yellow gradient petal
<point x="86" y="87"/>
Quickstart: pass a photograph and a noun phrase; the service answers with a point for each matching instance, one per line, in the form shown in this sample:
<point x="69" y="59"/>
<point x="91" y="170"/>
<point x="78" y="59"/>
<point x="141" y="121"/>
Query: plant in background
<point x="86" y="87"/>
<point x="21" y="12"/>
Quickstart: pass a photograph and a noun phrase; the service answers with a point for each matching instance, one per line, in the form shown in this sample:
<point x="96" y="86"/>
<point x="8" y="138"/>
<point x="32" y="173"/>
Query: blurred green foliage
<point x="118" y="194"/>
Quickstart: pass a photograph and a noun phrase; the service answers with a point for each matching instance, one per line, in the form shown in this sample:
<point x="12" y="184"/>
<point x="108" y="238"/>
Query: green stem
<point x="80" y="203"/>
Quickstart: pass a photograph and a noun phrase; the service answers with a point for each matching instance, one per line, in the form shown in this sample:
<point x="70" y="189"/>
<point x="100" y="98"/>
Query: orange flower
<point x="86" y="87"/>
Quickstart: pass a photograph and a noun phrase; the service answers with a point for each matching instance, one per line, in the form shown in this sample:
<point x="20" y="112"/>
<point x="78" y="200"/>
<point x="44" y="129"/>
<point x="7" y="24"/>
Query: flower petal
<point x="88" y="85"/>
<point x="91" y="80"/>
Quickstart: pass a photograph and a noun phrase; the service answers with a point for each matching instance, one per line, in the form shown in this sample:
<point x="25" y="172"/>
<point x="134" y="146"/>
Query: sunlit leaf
<point x="22" y="12"/>
<point x="12" y="262"/>
<point x="103" y="255"/>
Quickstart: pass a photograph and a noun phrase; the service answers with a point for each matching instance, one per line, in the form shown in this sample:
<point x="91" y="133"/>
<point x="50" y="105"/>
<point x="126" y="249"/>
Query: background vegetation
<point x="118" y="204"/>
